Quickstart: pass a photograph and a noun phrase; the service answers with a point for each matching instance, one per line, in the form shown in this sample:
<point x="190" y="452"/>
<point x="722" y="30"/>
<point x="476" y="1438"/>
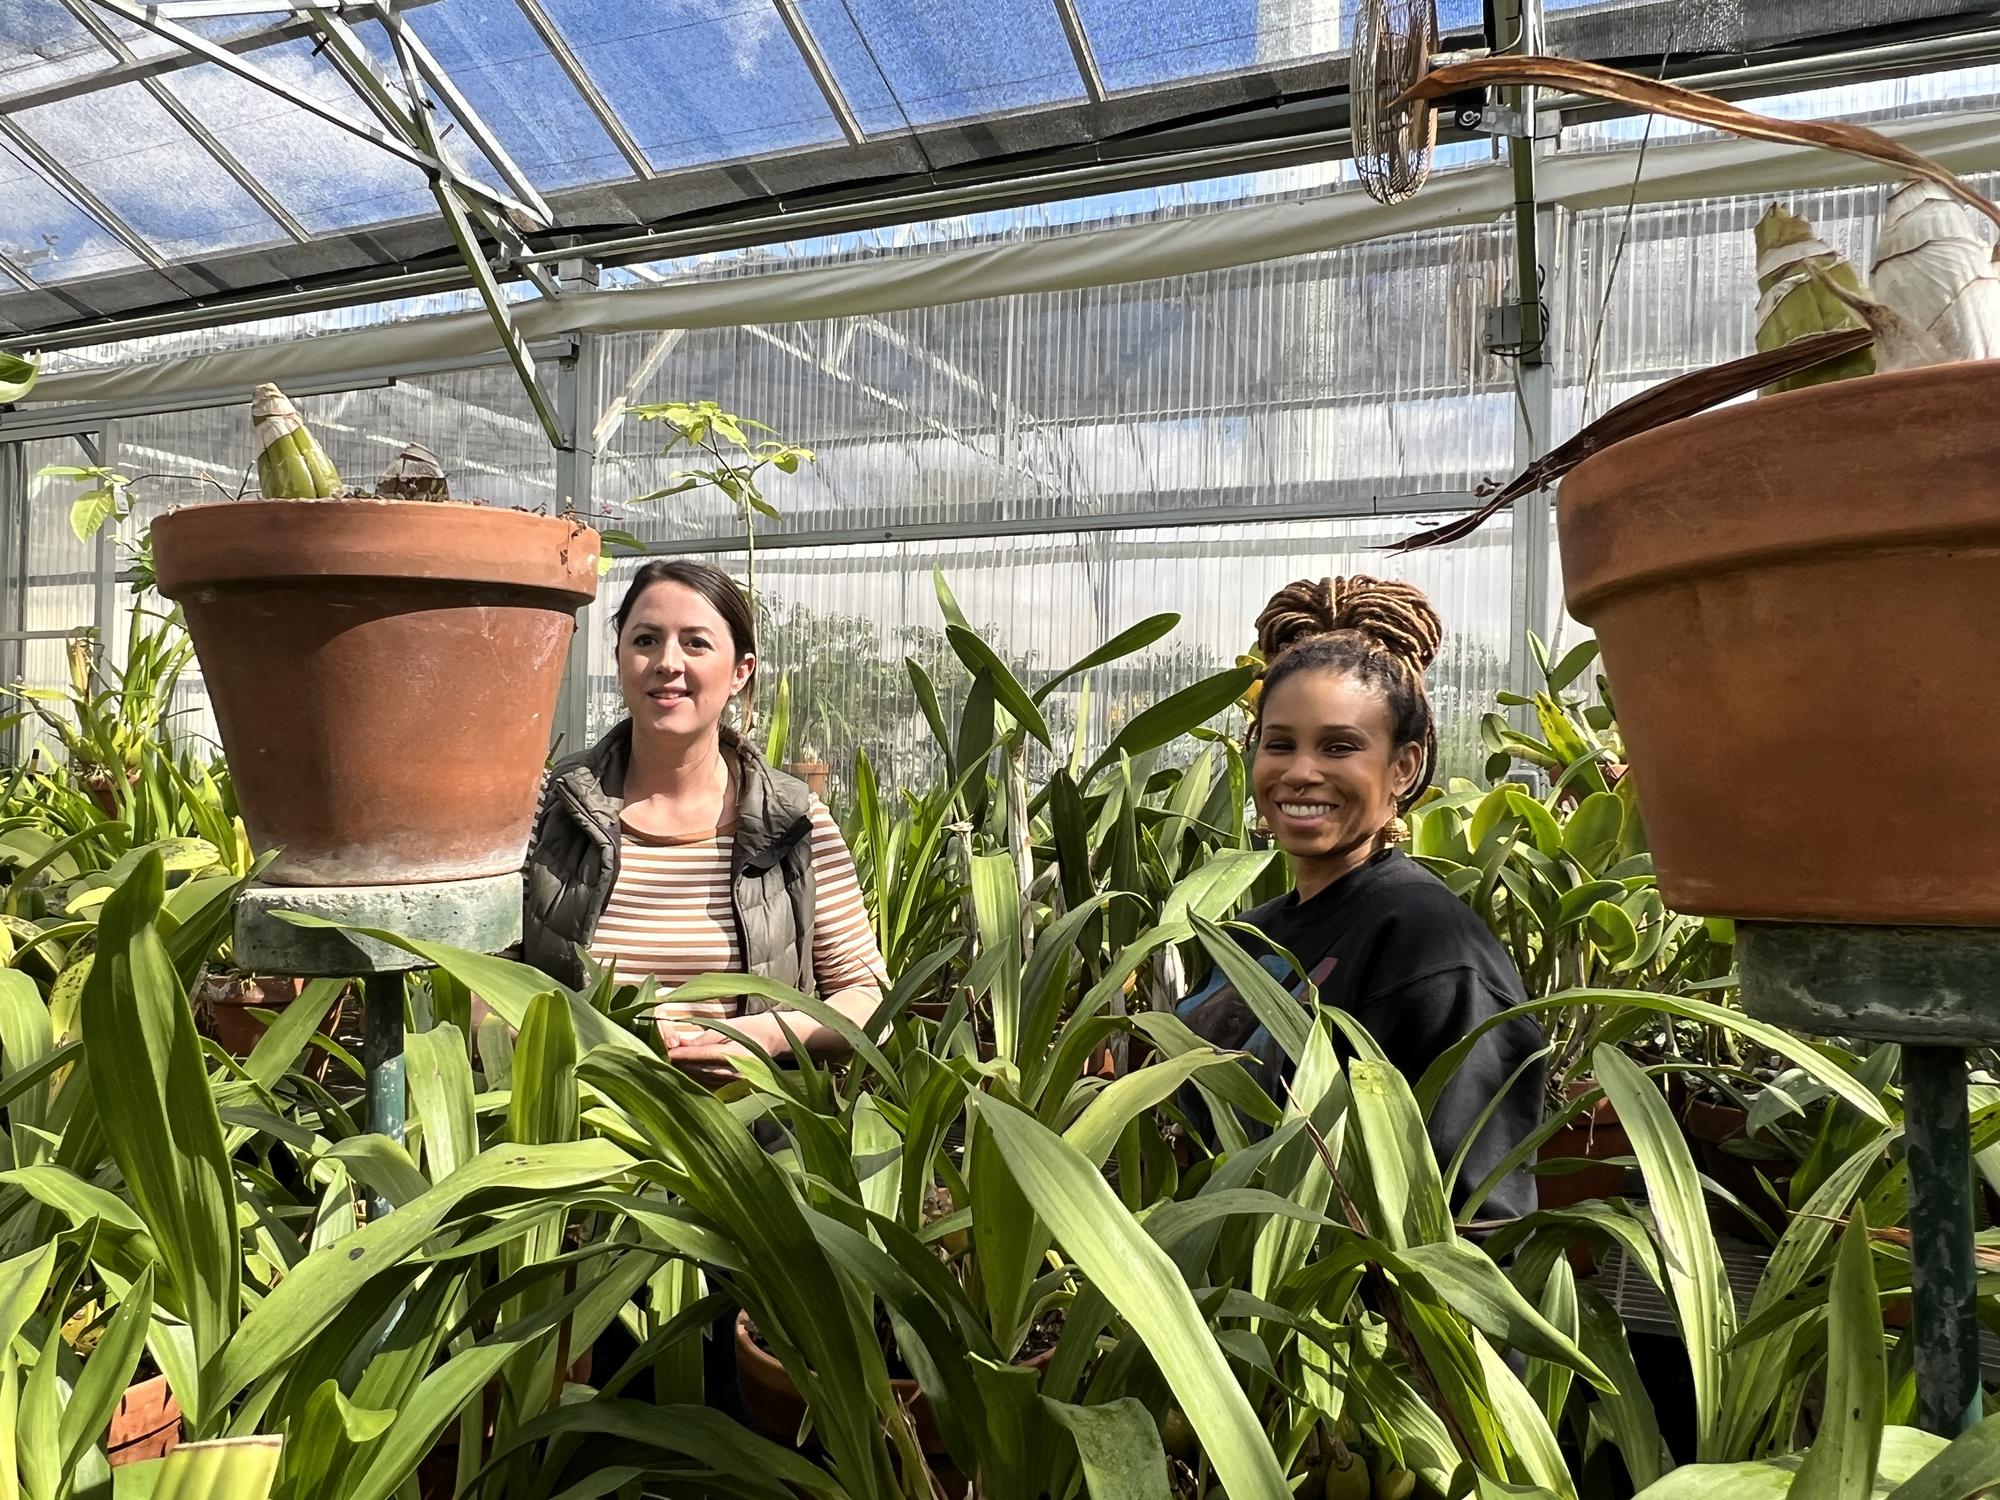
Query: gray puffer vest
<point x="572" y="863"/>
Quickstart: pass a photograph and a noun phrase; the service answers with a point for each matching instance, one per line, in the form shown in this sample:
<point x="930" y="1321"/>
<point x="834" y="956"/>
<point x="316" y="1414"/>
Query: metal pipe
<point x="382" y="1057"/>
<point x="1945" y="1318"/>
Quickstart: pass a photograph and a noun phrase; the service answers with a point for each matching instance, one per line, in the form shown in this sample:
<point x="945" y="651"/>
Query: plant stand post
<point x="1943" y="1284"/>
<point x="1925" y="988"/>
<point x="483" y="915"/>
<point x="382" y="998"/>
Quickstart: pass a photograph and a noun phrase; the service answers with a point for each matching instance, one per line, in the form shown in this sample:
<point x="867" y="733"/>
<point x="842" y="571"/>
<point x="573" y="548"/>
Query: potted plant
<point x="1746" y="568"/>
<point x="383" y="666"/>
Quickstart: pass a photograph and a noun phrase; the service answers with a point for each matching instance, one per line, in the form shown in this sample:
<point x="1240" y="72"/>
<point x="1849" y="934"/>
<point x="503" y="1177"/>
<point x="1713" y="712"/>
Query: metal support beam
<point x="1080" y="49"/>
<point x="193" y="41"/>
<point x="821" y="70"/>
<point x="186" y="118"/>
<point x="613" y="415"/>
<point x="1530" y="545"/>
<point x="576" y="395"/>
<point x="586" y="86"/>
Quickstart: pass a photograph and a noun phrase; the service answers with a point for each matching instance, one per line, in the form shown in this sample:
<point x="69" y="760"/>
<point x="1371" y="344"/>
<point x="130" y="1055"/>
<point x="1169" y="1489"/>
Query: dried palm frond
<point x="1666" y="402"/>
<point x="1660" y="98"/>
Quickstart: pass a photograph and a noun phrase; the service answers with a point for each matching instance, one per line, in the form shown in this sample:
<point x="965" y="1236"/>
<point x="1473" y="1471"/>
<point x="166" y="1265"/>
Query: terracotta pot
<point x="223" y="1004"/>
<point x="776" y="1406"/>
<point x="147" y="1423"/>
<point x="383" y="674"/>
<point x="1799" y="581"/>
<point x="1594" y="1136"/>
<point x="813" y="773"/>
<point x="1709" y="1128"/>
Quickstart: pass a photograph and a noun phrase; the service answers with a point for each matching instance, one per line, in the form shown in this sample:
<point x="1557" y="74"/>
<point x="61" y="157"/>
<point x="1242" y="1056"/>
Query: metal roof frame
<point x="1293" y="113"/>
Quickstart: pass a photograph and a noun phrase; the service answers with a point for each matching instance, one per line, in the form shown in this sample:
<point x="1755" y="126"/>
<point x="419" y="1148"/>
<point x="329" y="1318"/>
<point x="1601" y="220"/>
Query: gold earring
<point x="1396" y="832"/>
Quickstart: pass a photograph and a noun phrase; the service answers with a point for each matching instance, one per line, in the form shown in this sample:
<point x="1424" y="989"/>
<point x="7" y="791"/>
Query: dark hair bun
<point x="1395" y="615"/>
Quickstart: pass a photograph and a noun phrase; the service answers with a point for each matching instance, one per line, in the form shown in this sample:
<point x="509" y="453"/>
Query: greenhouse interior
<point x="1022" y="749"/>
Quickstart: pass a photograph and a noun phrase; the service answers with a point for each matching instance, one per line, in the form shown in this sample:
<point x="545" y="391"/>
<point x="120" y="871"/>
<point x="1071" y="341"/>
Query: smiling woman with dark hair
<point x="670" y="849"/>
<point x="1345" y="743"/>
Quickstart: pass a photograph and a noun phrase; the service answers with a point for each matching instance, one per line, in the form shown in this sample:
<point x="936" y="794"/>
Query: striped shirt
<point x="670" y="917"/>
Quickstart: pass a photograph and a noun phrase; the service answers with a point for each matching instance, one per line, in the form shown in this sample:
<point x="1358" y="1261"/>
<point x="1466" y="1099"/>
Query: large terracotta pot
<point x="1795" y="599"/>
<point x="383" y="673"/>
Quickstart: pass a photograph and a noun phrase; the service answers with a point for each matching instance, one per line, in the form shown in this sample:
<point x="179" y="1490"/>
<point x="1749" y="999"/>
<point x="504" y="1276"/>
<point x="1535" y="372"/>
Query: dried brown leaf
<point x="1669" y="401"/>
<point x="1685" y="104"/>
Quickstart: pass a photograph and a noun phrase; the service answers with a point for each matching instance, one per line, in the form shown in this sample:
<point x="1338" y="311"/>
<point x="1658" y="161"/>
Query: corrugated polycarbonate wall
<point x="839" y="621"/>
<point x="1034" y="448"/>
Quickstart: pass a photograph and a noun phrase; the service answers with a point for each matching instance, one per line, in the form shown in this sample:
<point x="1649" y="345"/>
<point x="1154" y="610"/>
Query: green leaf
<point x="1572" y="666"/>
<point x="439" y="1070"/>
<point x="1147" y="1289"/>
<point x="17" y="376"/>
<point x="1592" y="834"/>
<point x="1007" y="690"/>
<point x="1840" y="1465"/>
<point x="996" y="902"/>
<point x="948" y="602"/>
<point x="321" y="1286"/>
<point x="1467" y="1281"/>
<point x="1132" y="638"/>
<point x="242" y="1468"/>
<point x="1174" y="716"/>
<point x="1402" y="1177"/>
<point x="1704" y="1307"/>
<point x="106" y="1374"/>
<point x="159" y="1116"/>
<point x="1610" y="927"/>
<point x="1968" y="1467"/>
<point x="1627" y="1412"/>
<point x="1119" y="1446"/>
<point x="90" y="510"/>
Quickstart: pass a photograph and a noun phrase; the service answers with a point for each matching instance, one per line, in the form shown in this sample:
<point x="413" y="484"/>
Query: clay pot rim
<point x="1599" y="494"/>
<point x="264" y="544"/>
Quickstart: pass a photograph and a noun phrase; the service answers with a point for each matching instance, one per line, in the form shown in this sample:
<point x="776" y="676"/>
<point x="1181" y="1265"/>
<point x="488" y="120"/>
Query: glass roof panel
<point x="906" y="63"/>
<point x="46" y="235"/>
<point x="130" y="152"/>
<point x="326" y="178"/>
<point x="42" y="43"/>
<point x="696" y="81"/>
<point x="1139" y="42"/>
<point x="521" y="92"/>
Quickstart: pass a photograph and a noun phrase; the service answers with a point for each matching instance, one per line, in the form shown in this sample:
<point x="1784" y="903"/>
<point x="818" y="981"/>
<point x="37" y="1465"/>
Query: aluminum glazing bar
<point x="68" y="184"/>
<point x="222" y="57"/>
<point x="1080" y="49"/>
<point x="184" y="117"/>
<point x="821" y="70"/>
<point x="17" y="275"/>
<point x="586" y="86"/>
<point x="434" y="74"/>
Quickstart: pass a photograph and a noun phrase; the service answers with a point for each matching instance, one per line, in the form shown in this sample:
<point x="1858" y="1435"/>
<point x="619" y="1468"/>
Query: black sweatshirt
<point x="1395" y="949"/>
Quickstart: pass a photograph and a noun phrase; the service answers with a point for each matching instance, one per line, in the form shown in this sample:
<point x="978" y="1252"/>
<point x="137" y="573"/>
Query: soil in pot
<point x="147" y="1423"/>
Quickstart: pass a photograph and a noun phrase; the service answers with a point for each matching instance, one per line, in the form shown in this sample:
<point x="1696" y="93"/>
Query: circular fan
<point x="1393" y="43"/>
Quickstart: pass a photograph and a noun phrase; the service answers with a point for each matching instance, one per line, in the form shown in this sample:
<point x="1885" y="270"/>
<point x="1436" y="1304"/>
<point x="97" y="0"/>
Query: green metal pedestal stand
<point x="482" y="915"/>
<point x="1931" y="990"/>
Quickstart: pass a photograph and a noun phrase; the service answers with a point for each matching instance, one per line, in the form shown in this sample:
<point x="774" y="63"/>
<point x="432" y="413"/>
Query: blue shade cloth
<point x="697" y="83"/>
<point x="125" y="147"/>
<point x="522" y="93"/>
<point x="46" y="235"/>
<point x="909" y="63"/>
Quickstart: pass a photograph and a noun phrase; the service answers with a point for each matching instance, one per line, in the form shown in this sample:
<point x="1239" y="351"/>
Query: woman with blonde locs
<point x="669" y="849"/>
<point x="1344" y="744"/>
